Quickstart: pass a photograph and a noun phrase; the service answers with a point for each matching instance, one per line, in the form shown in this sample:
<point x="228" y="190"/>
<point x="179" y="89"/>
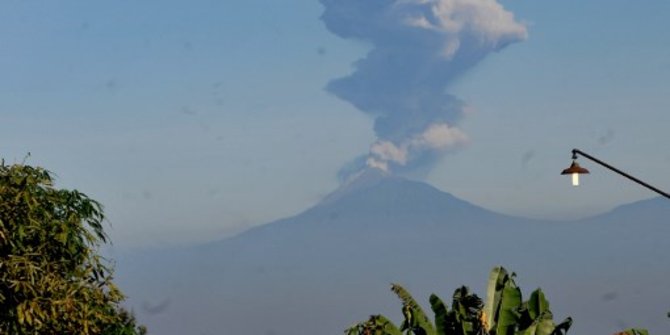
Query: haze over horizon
<point x="330" y="265"/>
<point x="194" y="121"/>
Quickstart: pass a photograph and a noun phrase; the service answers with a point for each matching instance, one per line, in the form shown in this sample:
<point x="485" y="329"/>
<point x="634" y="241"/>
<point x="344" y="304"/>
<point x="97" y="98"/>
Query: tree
<point x="52" y="280"/>
<point x="125" y="326"/>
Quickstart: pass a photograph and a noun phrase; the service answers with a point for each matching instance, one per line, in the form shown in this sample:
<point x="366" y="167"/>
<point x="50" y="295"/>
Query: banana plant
<point x="633" y="331"/>
<point x="536" y="318"/>
<point x="503" y="299"/>
<point x="504" y="313"/>
<point x="464" y="318"/>
<point x="375" y="325"/>
<point x="416" y="322"/>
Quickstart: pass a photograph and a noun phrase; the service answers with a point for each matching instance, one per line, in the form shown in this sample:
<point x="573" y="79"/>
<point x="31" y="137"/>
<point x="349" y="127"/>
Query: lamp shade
<point x="575" y="169"/>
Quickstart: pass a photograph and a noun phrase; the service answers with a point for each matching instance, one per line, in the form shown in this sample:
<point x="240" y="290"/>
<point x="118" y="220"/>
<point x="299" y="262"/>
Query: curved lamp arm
<point x="576" y="152"/>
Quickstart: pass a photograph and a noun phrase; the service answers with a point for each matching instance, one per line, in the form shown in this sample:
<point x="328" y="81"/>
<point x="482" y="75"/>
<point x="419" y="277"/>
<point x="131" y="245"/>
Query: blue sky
<point x="194" y="120"/>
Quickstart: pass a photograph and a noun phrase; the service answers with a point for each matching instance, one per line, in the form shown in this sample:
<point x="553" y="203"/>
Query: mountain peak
<point x="374" y="192"/>
<point x="362" y="180"/>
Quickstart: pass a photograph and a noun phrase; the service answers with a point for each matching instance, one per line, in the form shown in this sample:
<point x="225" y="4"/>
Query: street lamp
<point x="575" y="170"/>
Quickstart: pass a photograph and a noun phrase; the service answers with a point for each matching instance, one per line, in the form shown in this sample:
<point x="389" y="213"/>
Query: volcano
<point x="331" y="265"/>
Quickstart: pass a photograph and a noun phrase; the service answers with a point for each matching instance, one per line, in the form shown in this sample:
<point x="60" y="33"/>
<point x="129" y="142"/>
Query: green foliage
<point x="126" y="325"/>
<point x="634" y="331"/>
<point x="416" y="320"/>
<point x="375" y="325"/>
<point x="52" y="281"/>
<point x="502" y="304"/>
<point x="504" y="313"/>
<point x="510" y="316"/>
<point x="464" y="318"/>
<point x="497" y="280"/>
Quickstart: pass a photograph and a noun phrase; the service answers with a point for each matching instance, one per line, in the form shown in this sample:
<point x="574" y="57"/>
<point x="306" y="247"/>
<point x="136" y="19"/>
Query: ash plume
<point x="418" y="47"/>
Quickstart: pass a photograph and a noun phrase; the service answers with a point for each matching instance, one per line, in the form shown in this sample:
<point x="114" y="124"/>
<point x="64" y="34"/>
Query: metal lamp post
<point x="575" y="170"/>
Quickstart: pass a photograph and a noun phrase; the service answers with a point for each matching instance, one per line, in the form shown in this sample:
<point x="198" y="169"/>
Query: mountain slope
<point x="319" y="271"/>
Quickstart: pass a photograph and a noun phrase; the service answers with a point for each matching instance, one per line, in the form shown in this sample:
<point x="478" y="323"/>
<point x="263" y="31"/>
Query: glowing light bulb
<point x="575" y="179"/>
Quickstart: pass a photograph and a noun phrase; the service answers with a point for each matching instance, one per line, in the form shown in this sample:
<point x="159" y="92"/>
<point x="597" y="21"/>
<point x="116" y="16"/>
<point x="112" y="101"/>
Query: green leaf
<point x="537" y="304"/>
<point x="441" y="317"/>
<point x="376" y="324"/>
<point x="562" y="328"/>
<point x="508" y="317"/>
<point x="386" y="325"/>
<point x="497" y="279"/>
<point x="467" y="309"/>
<point x="414" y="315"/>
<point x="546" y="324"/>
<point x="417" y="318"/>
<point x="531" y="330"/>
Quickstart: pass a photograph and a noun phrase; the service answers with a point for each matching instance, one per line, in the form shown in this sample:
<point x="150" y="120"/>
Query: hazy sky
<point x="193" y="120"/>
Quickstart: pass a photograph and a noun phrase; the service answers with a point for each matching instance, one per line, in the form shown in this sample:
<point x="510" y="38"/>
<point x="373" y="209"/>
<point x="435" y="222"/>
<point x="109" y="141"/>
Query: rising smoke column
<point x="418" y="48"/>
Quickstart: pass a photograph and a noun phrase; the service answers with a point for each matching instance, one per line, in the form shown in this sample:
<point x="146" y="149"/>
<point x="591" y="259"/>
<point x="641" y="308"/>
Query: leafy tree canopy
<point x="52" y="280"/>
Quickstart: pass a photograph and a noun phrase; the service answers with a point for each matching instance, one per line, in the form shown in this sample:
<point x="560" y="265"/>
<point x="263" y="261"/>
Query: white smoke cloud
<point x="484" y="21"/>
<point x="440" y="137"/>
<point x="437" y="138"/>
<point x="377" y="164"/>
<point x="387" y="151"/>
<point x="418" y="48"/>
